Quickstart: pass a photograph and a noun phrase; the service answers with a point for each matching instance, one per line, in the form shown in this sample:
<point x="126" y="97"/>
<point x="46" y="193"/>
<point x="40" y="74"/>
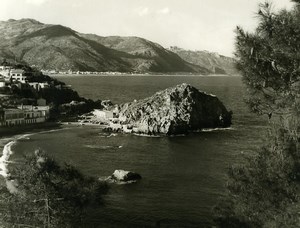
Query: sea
<point x="183" y="177"/>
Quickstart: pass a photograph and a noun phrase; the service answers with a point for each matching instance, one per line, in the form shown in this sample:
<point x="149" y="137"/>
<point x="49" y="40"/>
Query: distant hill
<point x="55" y="47"/>
<point x="155" y="57"/>
<point x="215" y="63"/>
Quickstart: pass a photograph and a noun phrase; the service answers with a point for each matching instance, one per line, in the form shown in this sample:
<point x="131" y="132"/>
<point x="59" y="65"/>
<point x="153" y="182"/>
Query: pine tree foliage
<point x="269" y="60"/>
<point x="44" y="194"/>
<point x="265" y="192"/>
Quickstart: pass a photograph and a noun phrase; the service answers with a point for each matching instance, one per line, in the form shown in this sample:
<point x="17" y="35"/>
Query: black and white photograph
<point x="149" y="114"/>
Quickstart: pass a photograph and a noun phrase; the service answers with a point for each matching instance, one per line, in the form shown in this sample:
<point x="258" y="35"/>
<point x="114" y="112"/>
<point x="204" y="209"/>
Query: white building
<point x="18" y="75"/>
<point x="2" y="83"/>
<point x="103" y="114"/>
<point x="34" y="85"/>
<point x="5" y="71"/>
<point x="24" y="114"/>
<point x="35" y="114"/>
<point x="44" y="85"/>
<point x="5" y="68"/>
<point x="39" y="85"/>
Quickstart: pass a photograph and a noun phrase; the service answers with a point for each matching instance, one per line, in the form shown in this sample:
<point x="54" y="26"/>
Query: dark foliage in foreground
<point x="265" y="192"/>
<point x="43" y="194"/>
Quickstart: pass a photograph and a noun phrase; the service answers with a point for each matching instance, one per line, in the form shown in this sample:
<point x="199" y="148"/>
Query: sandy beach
<point x="10" y="136"/>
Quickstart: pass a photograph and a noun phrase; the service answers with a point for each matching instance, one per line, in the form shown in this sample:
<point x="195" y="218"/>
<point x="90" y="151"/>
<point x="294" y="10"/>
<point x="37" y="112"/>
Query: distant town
<point x="72" y="72"/>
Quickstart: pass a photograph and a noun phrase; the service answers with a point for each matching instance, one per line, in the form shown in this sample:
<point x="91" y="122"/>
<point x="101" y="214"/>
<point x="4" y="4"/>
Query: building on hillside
<point x="17" y="72"/>
<point x="44" y="85"/>
<point x="2" y="83"/>
<point x="24" y="114"/>
<point x="39" y="85"/>
<point x="45" y="110"/>
<point x="34" y="85"/>
<point x="11" y="117"/>
<point x="5" y="68"/>
<point x="5" y="71"/>
<point x="35" y="114"/>
<point x="18" y="75"/>
<point x="103" y="114"/>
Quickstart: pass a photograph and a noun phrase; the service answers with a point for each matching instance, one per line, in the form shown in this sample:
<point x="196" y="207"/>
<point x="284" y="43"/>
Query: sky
<point x="189" y="24"/>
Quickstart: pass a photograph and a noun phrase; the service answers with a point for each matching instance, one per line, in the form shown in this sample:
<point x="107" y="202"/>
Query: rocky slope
<point x="176" y="110"/>
<point x="158" y="58"/>
<point x="55" y="47"/>
<point x="215" y="63"/>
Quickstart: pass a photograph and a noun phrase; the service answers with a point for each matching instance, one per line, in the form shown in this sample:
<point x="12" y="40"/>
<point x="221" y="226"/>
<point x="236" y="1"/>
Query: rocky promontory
<point x="176" y="110"/>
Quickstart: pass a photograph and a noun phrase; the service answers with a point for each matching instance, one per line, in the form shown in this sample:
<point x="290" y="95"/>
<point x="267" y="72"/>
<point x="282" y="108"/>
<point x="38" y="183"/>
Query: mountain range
<point x="56" y="47"/>
<point x="214" y="62"/>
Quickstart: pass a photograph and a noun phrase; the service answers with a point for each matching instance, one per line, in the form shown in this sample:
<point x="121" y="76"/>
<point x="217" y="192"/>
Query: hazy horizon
<point x="191" y="24"/>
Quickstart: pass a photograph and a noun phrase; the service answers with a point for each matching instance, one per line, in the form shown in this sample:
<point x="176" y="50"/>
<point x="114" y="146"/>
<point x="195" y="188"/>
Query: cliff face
<point x="176" y="110"/>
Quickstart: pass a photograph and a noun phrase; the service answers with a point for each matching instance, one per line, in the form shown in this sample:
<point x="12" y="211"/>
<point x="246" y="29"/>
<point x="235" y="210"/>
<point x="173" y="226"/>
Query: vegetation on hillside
<point x="55" y="47"/>
<point x="41" y="193"/>
<point x="60" y="97"/>
<point x="265" y="192"/>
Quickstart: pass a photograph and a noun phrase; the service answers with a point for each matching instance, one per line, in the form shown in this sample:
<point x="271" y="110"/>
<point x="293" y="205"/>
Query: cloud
<point x="142" y="11"/>
<point x="165" y="10"/>
<point x="36" y="2"/>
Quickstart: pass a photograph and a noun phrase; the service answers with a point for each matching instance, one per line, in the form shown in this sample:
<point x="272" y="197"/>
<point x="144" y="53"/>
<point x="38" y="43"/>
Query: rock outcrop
<point x="177" y="110"/>
<point x="124" y="176"/>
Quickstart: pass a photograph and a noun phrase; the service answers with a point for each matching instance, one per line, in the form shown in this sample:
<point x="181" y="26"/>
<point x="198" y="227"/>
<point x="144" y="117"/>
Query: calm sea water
<point x="183" y="177"/>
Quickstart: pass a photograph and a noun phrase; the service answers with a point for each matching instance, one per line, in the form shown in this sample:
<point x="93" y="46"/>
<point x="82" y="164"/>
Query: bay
<point x="182" y="177"/>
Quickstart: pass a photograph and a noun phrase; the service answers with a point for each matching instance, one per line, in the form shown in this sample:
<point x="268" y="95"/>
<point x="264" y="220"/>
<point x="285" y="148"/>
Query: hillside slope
<point x="217" y="64"/>
<point x="159" y="58"/>
<point x="60" y="48"/>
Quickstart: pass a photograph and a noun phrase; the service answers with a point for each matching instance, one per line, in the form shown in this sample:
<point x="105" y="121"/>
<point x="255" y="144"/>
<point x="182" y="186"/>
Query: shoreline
<point x="144" y="75"/>
<point x="7" y="142"/>
<point x="10" y="136"/>
<point x="16" y="130"/>
<point x="4" y="159"/>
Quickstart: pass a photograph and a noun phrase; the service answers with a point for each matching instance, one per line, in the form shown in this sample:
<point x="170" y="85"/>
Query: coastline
<point x="144" y="75"/>
<point x="6" y="153"/>
<point x="10" y="136"/>
<point x="16" y="130"/>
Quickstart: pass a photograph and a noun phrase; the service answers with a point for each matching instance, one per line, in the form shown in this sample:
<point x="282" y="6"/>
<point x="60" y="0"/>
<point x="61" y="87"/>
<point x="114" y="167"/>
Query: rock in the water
<point x="176" y="110"/>
<point x="125" y="176"/>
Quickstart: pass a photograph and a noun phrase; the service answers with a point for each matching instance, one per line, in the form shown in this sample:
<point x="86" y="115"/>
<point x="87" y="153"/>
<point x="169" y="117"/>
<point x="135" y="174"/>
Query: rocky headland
<point x="176" y="110"/>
